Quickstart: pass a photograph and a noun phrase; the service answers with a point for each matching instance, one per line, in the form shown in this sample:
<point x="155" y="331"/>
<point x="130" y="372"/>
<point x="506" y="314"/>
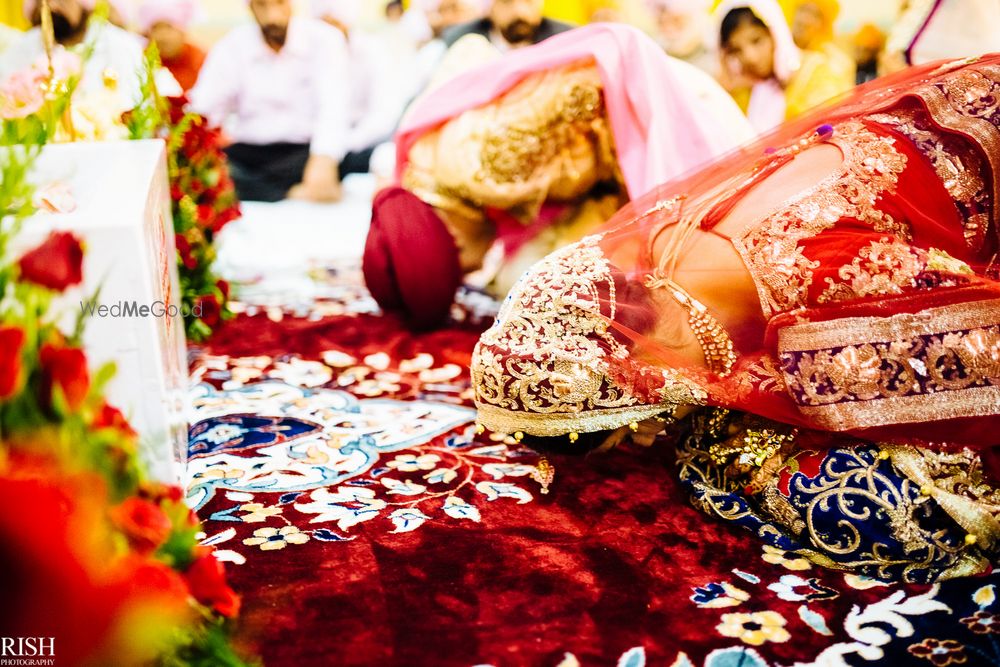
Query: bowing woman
<point x="815" y="323"/>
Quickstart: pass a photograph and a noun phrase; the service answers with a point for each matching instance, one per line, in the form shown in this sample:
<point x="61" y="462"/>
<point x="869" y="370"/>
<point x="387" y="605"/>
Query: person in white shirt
<point x="378" y="99"/>
<point x="116" y="61"/>
<point x="282" y="84"/>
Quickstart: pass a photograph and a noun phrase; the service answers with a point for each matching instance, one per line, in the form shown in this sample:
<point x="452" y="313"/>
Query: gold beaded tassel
<point x="720" y="354"/>
<point x="717" y="346"/>
<point x="544" y="473"/>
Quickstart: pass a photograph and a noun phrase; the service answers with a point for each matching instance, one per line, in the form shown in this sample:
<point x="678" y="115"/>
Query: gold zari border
<point x="972" y="402"/>
<point x="815" y="336"/>
<point x="980" y="130"/>
<point x="500" y="420"/>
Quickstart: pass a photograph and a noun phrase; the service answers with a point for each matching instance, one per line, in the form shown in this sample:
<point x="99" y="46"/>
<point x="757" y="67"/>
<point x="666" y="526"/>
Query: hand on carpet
<point x="320" y="182"/>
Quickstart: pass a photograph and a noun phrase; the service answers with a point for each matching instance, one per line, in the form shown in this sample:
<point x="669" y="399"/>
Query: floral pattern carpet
<point x="334" y="459"/>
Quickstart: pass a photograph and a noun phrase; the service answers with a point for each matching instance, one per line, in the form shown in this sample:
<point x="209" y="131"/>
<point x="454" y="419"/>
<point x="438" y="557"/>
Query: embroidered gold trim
<point x="960" y="168"/>
<point x="771" y="248"/>
<point x="500" y="420"/>
<point x="966" y="102"/>
<point x="940" y="363"/>
<point x="955" y="481"/>
<point x="882" y="267"/>
<point x="975" y="402"/>
<point x="811" y="336"/>
<point x="545" y="366"/>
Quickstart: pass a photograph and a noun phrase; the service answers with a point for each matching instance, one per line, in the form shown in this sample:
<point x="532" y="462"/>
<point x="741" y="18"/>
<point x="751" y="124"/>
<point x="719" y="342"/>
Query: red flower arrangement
<point x="111" y="417"/>
<point x="77" y="524"/>
<point x="143" y="522"/>
<point x="204" y="201"/>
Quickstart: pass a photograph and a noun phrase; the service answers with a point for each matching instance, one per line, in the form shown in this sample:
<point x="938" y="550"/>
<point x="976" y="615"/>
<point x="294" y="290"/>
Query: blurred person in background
<point x="869" y="41"/>
<point x="764" y="70"/>
<point x="829" y="70"/>
<point x="683" y="28"/>
<point x="115" y="63"/>
<point x="280" y="87"/>
<point x="394" y="11"/>
<point x="927" y="31"/>
<point x="509" y="24"/>
<point x="582" y="12"/>
<point x="445" y="14"/>
<point x="758" y="58"/>
<point x="166" y="24"/>
<point x="376" y="104"/>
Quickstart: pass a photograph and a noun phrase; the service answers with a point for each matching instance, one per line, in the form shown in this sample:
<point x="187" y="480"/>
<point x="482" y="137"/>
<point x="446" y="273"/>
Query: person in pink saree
<point x="814" y="323"/>
<point x="522" y="155"/>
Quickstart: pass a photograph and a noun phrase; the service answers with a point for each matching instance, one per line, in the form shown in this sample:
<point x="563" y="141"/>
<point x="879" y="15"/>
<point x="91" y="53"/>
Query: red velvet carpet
<point x="365" y="524"/>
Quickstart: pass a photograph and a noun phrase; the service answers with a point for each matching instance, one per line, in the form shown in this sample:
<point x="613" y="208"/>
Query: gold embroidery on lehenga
<point x="867" y="371"/>
<point x="545" y="366"/>
<point x="968" y="102"/>
<point x="961" y="171"/>
<point x="956" y="481"/>
<point x="761" y="375"/>
<point x="826" y="511"/>
<point x="772" y="248"/>
<point x="882" y="267"/>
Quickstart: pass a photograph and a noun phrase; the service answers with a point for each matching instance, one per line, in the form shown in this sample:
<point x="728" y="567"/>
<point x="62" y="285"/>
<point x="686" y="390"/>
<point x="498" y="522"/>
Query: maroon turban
<point x="411" y="263"/>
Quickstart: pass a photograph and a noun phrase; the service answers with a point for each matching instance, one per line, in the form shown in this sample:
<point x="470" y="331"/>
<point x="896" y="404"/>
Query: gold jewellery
<point x="717" y="346"/>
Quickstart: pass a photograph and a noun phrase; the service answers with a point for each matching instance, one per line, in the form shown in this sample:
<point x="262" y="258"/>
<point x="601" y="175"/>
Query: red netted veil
<point x="877" y="316"/>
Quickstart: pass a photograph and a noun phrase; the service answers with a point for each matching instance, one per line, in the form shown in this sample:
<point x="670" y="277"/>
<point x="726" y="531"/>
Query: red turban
<point x="411" y="261"/>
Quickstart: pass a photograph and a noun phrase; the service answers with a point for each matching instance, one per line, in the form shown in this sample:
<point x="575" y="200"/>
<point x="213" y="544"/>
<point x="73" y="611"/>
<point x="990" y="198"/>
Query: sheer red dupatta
<point x="918" y="365"/>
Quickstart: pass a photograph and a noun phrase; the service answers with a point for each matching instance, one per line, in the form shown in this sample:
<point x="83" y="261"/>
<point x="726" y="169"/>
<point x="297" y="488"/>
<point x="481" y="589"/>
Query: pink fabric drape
<point x="667" y="116"/>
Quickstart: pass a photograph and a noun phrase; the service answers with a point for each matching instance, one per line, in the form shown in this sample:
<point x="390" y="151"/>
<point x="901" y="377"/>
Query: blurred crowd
<point x="308" y="97"/>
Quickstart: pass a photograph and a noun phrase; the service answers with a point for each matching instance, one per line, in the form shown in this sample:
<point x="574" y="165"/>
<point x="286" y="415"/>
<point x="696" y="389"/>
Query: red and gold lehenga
<point x="856" y="423"/>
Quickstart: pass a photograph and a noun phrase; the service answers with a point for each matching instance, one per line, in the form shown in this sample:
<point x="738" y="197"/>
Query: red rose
<point x="11" y="342"/>
<point x="66" y="368"/>
<point x="142" y="578"/>
<point x="158" y="492"/>
<point x="224" y="288"/>
<point x="184" y="249"/>
<point x="211" y="310"/>
<point x="206" y="579"/>
<point x="143" y="522"/>
<point x="56" y="264"/>
<point x="111" y="417"/>
<point x="206" y="214"/>
<point x="224" y="218"/>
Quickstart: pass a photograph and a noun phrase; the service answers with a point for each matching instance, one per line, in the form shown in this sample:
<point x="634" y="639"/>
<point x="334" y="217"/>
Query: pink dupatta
<point x="668" y="117"/>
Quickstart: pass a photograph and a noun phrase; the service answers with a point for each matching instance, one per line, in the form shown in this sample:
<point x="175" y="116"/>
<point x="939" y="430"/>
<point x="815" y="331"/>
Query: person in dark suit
<point x="509" y="25"/>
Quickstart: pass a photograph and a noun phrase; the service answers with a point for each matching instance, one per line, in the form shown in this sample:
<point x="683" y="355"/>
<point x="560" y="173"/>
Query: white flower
<point x="780" y="557"/>
<point x="349" y="506"/>
<point x="412" y="463"/>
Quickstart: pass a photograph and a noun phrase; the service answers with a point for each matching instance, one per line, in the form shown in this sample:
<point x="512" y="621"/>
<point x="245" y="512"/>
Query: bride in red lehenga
<point x="815" y="320"/>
